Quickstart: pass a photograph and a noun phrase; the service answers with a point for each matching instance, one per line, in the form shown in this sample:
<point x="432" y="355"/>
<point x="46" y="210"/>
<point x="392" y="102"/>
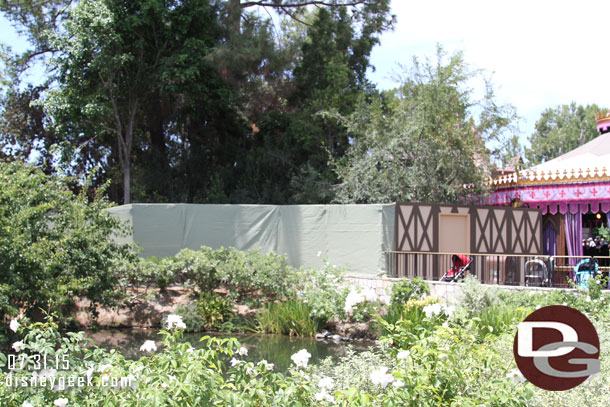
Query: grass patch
<point x="291" y="317"/>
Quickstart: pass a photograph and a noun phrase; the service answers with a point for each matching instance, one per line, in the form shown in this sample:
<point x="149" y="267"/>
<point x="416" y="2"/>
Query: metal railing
<point x="492" y="268"/>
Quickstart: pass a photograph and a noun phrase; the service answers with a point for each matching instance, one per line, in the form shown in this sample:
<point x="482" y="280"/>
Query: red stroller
<point x="461" y="263"/>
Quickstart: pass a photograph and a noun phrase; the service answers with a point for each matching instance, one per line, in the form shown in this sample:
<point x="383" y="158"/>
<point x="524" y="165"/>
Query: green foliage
<point x="498" y="319"/>
<point x="446" y="365"/>
<point x="20" y="118"/>
<point x="449" y="368"/>
<point x="412" y="323"/>
<point x="215" y="309"/>
<point x="354" y="370"/>
<point x="196" y="267"/>
<point x="453" y="361"/>
<point x="402" y="292"/>
<point x="365" y="311"/>
<point x="132" y="79"/>
<point x="253" y="273"/>
<point x="424" y="140"/>
<point x="55" y="245"/>
<point x="245" y="274"/>
<point x="392" y="315"/>
<point x="561" y="130"/>
<point x="477" y="297"/>
<point x="580" y="299"/>
<point x="407" y="289"/>
<point x="192" y="317"/>
<point x="288" y="159"/>
<point x="324" y="291"/>
<point x="126" y="75"/>
<point x="176" y="375"/>
<point x="596" y="285"/>
<point x="292" y="317"/>
<point x="603" y="232"/>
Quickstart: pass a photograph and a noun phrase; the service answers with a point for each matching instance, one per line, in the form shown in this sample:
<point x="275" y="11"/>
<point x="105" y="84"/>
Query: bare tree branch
<point x="295" y="18"/>
<point x="279" y="4"/>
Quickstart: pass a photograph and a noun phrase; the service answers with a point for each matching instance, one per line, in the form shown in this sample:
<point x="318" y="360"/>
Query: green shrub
<point x="214" y="309"/>
<point x="191" y="317"/>
<point x="583" y="300"/>
<point x="365" y="311"/>
<point x="55" y="245"/>
<point x="448" y="367"/>
<point x="292" y="317"/>
<point x="498" y="319"/>
<point x="324" y="290"/>
<point x="354" y="370"/>
<point x="196" y="267"/>
<point x="476" y="297"/>
<point x="392" y="315"/>
<point x="253" y="273"/>
<point x="415" y="321"/>
<point x="402" y="292"/>
<point x="141" y="272"/>
<point x="407" y="289"/>
<point x="250" y="274"/>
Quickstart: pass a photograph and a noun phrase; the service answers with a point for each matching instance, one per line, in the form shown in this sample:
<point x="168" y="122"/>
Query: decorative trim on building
<point x="527" y="178"/>
<point x="557" y="198"/>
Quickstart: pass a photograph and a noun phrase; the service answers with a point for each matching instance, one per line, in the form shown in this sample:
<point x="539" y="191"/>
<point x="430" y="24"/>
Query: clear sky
<point x="540" y="53"/>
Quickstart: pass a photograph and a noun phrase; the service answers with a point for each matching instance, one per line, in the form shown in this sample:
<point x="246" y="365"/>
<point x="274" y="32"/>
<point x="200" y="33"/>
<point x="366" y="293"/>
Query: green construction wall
<point x="348" y="235"/>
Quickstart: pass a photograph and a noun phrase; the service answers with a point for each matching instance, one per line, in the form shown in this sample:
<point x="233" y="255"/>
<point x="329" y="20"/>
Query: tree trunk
<point x="127" y="184"/>
<point x="234" y="15"/>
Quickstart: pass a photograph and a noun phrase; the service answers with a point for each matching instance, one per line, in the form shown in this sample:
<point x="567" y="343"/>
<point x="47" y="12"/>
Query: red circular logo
<point x="556" y="348"/>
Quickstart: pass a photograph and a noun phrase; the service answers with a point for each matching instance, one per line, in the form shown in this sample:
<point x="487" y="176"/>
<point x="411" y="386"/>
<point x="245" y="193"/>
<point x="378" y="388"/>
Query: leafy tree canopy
<point x="560" y="130"/>
<point x="196" y="101"/>
<point x="422" y="141"/>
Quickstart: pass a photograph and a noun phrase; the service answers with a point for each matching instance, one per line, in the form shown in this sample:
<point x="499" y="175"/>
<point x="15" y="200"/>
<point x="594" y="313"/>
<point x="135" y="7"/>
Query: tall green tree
<point x="423" y="141"/>
<point x="560" y="130"/>
<point x="289" y="156"/>
<point x="196" y="101"/>
<point x="23" y="130"/>
<point x="125" y="70"/>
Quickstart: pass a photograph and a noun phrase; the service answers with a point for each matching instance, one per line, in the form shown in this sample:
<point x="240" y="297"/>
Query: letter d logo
<point x="526" y="338"/>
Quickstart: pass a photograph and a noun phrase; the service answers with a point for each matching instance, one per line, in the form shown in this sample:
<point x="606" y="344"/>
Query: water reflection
<point x="275" y="349"/>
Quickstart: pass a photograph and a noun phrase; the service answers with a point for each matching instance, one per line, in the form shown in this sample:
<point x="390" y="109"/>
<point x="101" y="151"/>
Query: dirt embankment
<point x="143" y="309"/>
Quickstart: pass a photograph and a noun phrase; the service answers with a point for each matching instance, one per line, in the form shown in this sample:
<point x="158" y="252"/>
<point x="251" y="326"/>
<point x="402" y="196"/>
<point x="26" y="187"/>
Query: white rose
<point x="301" y="358"/>
<point x="61" y="402"/>
<point x="148" y="346"/>
<point x="14" y="325"/>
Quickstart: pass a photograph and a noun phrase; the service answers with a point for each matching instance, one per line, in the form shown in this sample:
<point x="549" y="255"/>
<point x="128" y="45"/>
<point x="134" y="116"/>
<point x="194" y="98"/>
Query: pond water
<point x="275" y="349"/>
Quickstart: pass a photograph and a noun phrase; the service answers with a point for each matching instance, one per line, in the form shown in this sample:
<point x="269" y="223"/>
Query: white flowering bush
<point x="361" y="304"/>
<point x="448" y="366"/>
<point x="417" y="318"/>
<point x="323" y="289"/>
<point x="171" y="373"/>
<point x="409" y="289"/>
<point x="301" y="358"/>
<point x="354" y="370"/>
